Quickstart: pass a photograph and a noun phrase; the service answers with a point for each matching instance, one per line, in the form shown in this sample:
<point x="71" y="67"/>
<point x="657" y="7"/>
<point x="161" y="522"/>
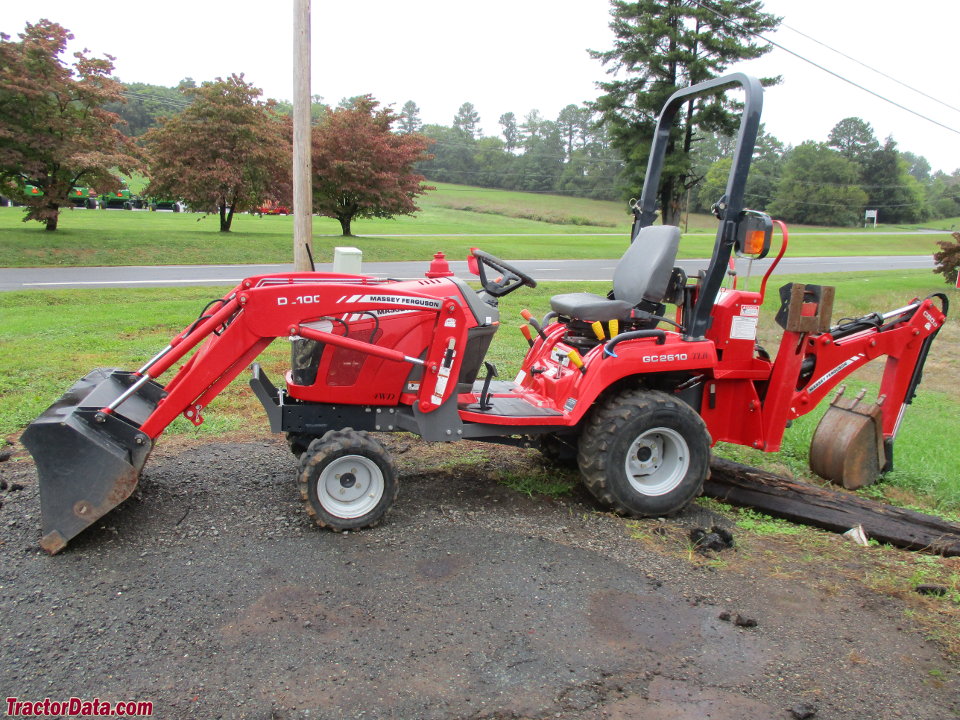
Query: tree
<point x="853" y="138"/>
<point x="573" y="122"/>
<point x="765" y="170"/>
<point x="918" y="166"/>
<point x="819" y="186"/>
<point x="948" y="259"/>
<point x="511" y="133"/>
<point x="453" y="156"/>
<point x="541" y="164"/>
<point x="493" y="162"/>
<point x="892" y="190"/>
<point x="944" y="194"/>
<point x="714" y="183"/>
<point x="361" y="169"/>
<point x="660" y="46"/>
<point x="410" y="118"/>
<point x="318" y="108"/>
<point x="55" y="132"/>
<point x="226" y="152"/>
<point x="145" y="104"/>
<point x="467" y="120"/>
<point x="592" y="170"/>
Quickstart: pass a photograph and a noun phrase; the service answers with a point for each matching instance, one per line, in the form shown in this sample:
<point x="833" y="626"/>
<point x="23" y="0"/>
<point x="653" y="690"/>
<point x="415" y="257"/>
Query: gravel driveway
<point x="211" y="595"/>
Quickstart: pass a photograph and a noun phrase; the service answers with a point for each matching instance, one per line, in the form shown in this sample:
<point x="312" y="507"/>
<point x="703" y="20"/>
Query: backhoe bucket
<point x="88" y="461"/>
<point x="847" y="447"/>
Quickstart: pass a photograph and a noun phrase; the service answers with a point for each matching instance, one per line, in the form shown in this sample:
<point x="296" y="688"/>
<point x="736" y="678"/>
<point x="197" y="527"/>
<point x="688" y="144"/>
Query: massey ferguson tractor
<point x="637" y="385"/>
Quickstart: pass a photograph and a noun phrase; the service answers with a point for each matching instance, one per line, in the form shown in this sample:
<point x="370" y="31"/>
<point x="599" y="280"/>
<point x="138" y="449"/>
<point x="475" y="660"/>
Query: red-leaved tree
<point x="948" y="259"/>
<point x="54" y="132"/>
<point x="227" y="152"/>
<point x="361" y="169"/>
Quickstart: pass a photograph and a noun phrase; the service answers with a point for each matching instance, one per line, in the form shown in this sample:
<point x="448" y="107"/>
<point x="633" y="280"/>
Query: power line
<point x="872" y="69"/>
<point x="837" y="75"/>
<point x="159" y="99"/>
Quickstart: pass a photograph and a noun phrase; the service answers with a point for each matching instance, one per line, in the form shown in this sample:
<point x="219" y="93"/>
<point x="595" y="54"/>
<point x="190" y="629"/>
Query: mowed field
<point x="453" y="219"/>
<point x="50" y="339"/>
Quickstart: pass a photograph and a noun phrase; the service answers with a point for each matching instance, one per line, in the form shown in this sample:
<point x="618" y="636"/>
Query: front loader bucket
<point x="88" y="462"/>
<point x="847" y="447"/>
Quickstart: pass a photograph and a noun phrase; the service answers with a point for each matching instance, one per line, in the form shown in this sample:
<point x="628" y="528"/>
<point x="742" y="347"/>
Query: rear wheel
<point x="645" y="453"/>
<point x="348" y="480"/>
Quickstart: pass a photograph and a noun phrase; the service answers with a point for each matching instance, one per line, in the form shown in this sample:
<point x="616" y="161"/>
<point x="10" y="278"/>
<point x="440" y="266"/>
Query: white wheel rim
<point x="657" y="461"/>
<point x="350" y="486"/>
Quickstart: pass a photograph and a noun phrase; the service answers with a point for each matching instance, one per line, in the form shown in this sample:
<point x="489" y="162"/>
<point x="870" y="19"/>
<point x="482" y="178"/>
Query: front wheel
<point x="645" y="453"/>
<point x="347" y="480"/>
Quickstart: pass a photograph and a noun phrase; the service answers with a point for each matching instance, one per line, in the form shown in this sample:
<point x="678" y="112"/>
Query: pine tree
<point x="659" y="47"/>
<point x="467" y="120"/>
<point x="409" y="120"/>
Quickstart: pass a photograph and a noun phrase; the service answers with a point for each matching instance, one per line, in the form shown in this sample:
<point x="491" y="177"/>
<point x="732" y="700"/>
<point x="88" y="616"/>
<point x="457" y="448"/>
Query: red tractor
<point x="638" y="395"/>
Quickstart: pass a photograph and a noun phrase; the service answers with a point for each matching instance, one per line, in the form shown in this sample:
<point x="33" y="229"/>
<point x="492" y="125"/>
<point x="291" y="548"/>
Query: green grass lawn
<point x="50" y="339"/>
<point x="453" y="219"/>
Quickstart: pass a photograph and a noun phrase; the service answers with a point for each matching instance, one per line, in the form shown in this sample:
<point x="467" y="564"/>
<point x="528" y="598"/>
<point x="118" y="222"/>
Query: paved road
<point x="56" y="278"/>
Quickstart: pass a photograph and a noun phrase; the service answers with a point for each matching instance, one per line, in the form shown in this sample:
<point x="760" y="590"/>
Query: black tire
<point x="347" y="480"/>
<point x="644" y="454"/>
<point x="298" y="443"/>
<point x="559" y="450"/>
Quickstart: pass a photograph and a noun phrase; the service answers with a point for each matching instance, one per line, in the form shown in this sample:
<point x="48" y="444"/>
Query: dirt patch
<point x="211" y="594"/>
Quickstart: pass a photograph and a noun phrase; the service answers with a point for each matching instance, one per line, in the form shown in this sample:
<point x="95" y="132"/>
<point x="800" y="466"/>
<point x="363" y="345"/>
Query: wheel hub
<point x="657" y="461"/>
<point x="350" y="486"/>
<point x="646" y="454"/>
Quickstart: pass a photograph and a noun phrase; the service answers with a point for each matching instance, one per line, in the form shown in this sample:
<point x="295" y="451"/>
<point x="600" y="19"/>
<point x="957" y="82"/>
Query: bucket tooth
<point x="847" y="447"/>
<point x="88" y="462"/>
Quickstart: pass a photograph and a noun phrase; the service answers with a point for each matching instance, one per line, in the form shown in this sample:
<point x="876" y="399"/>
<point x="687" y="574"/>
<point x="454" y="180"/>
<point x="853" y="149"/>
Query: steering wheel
<point x="509" y="278"/>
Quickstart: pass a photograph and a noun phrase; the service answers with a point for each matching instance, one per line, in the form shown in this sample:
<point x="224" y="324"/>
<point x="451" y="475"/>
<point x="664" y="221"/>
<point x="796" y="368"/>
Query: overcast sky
<point x="517" y="55"/>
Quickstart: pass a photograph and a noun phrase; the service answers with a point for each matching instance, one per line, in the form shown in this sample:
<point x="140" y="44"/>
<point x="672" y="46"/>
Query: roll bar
<point x="731" y="213"/>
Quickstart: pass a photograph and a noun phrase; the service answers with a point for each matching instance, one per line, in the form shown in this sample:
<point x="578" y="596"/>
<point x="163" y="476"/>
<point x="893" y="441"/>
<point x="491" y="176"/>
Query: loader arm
<point x="269" y="311"/>
<point x="92" y="443"/>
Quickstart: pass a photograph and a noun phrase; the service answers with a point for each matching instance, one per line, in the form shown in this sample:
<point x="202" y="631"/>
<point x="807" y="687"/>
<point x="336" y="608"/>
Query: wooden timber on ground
<point x="829" y="509"/>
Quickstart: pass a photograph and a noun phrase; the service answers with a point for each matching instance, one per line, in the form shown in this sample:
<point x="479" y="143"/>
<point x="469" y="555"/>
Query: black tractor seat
<point x="640" y="280"/>
<point x="590" y="307"/>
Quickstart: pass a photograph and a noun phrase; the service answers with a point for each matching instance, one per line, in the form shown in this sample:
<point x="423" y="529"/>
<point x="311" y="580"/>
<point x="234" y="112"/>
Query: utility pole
<point x="302" y="186"/>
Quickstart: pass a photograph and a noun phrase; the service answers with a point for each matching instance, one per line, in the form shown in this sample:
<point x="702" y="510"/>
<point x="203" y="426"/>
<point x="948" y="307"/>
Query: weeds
<point x="537" y="483"/>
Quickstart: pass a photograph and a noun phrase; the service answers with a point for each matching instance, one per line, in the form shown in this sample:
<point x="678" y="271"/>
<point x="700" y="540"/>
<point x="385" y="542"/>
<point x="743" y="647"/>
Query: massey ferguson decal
<point x="431" y="303"/>
<point x="846" y="363"/>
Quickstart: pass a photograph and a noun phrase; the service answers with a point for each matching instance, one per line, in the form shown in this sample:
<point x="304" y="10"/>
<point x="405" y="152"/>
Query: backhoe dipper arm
<point x="253" y="318"/>
<point x="834" y="355"/>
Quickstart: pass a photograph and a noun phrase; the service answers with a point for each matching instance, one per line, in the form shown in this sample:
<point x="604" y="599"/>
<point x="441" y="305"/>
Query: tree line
<point x="218" y="146"/>
<point x="223" y="149"/>
<point x="830" y="182"/>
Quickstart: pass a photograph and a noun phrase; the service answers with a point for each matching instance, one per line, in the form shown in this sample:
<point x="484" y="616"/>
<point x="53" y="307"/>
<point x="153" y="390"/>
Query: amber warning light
<point x="754" y="234"/>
